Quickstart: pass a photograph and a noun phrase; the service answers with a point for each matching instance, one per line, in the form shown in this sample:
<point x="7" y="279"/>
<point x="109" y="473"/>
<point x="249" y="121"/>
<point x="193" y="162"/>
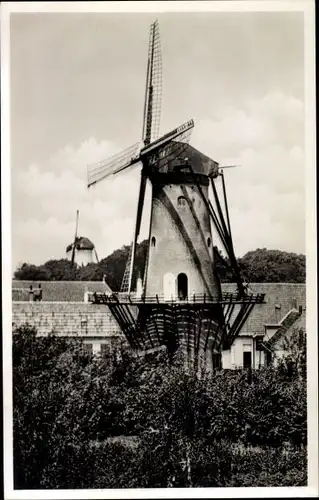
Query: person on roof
<point x="246" y="286"/>
<point x="38" y="293"/>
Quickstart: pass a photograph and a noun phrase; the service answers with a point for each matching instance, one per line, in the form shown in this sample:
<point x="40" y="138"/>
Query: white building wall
<point x="233" y="358"/>
<point x="240" y="345"/>
<point x="81" y="257"/>
<point x="226" y="359"/>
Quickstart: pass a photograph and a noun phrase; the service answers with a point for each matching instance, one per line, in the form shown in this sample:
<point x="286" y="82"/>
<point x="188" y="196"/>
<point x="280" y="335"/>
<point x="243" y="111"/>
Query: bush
<point x="222" y="429"/>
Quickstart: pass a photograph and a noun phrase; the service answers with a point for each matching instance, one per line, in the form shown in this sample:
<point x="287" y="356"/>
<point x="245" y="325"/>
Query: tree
<point x="273" y="266"/>
<point x="294" y="362"/>
<point x="261" y="265"/>
<point x="30" y="272"/>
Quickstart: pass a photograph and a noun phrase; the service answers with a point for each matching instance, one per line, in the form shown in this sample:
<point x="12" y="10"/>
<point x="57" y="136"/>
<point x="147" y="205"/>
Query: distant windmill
<point x="180" y="302"/>
<point x="81" y="250"/>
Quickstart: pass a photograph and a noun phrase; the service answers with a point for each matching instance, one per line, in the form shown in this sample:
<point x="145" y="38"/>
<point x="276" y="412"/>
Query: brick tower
<point x="180" y="259"/>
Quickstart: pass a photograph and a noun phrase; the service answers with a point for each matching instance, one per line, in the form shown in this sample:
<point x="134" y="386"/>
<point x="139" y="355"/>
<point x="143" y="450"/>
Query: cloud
<point x="276" y="119"/>
<point x="266" y="195"/>
<point x="46" y="197"/>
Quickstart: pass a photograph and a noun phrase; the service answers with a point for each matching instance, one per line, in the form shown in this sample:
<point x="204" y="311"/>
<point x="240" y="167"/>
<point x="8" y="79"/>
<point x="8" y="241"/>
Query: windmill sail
<point x="153" y="94"/>
<point x="116" y="163"/>
<point x="156" y="154"/>
<point x="178" y="132"/>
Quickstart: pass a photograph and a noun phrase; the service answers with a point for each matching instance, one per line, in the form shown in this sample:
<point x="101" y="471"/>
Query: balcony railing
<point x="134" y="298"/>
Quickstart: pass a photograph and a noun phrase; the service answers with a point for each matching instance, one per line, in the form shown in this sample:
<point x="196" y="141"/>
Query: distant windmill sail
<point x="75" y="238"/>
<point x="96" y="256"/>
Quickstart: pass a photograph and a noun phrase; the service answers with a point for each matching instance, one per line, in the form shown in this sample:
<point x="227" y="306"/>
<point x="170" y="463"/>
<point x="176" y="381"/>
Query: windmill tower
<point x="81" y="251"/>
<point x="180" y="304"/>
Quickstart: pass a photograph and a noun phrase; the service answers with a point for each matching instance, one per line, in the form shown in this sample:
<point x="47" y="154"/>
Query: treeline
<point x="125" y="421"/>
<point x="111" y="267"/>
<point x="258" y="266"/>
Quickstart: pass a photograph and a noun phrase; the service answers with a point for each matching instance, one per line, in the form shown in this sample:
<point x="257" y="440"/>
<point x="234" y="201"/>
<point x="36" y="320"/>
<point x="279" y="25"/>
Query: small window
<point x="217" y="361"/>
<point x="209" y="242"/>
<point x="193" y="200"/>
<point x="153" y="241"/>
<point x="88" y="349"/>
<point x="259" y="344"/>
<point x="181" y="201"/>
<point x="105" y="350"/>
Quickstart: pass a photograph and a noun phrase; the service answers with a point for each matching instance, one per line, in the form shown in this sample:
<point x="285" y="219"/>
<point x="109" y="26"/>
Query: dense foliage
<point x="128" y="421"/>
<point x="258" y="266"/>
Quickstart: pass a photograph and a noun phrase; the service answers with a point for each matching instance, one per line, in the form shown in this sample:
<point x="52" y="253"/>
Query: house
<point x="260" y="338"/>
<point x="64" y="309"/>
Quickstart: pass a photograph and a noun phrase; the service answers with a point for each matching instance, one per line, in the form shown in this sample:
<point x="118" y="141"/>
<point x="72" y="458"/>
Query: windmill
<point x="81" y="250"/>
<point x="181" y="304"/>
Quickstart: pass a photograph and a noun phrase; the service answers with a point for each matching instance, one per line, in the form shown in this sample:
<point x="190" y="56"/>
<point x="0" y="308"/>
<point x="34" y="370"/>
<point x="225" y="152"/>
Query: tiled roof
<point x="299" y="324"/>
<point x="280" y="298"/>
<point x="56" y="291"/>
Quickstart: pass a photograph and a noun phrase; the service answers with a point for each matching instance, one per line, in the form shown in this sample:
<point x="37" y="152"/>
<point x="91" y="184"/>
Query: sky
<point x="77" y="83"/>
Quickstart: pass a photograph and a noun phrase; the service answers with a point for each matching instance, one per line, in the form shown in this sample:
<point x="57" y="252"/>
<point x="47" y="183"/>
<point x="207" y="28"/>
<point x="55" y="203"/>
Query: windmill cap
<point x="201" y="164"/>
<point x="81" y="243"/>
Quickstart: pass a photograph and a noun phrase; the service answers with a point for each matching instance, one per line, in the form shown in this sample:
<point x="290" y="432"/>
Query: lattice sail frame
<point x="111" y="166"/>
<point x="153" y="93"/>
<point x="163" y="157"/>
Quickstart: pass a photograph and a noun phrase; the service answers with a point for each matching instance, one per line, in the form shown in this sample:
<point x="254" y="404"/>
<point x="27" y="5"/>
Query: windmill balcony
<point x="135" y="298"/>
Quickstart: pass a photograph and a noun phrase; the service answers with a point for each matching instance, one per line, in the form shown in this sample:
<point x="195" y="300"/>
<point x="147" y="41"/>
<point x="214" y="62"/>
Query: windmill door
<point x="169" y="286"/>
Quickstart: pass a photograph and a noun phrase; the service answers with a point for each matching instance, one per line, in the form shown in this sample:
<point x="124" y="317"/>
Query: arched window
<point x="181" y="201"/>
<point x="182" y="286"/>
<point x="153" y="241"/>
<point x="209" y="242"/>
